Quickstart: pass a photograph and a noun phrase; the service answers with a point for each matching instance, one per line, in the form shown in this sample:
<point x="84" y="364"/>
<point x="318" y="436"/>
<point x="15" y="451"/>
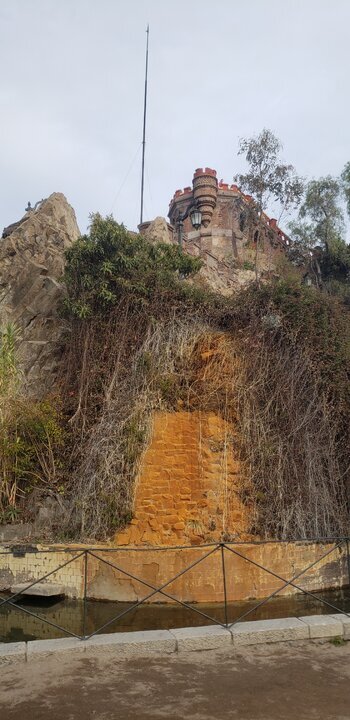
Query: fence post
<point x="85" y="586"/>
<point x="348" y="558"/>
<point x="224" y="580"/>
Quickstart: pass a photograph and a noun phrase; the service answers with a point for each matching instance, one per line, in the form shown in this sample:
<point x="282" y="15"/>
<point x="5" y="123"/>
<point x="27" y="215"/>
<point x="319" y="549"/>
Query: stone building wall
<point x="228" y="240"/>
<point x="229" y="230"/>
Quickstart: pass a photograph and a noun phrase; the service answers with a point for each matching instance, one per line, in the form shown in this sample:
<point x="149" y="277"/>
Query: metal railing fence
<point x="224" y="549"/>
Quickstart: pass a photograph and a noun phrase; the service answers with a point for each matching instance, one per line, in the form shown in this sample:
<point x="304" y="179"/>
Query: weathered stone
<point x="31" y="266"/>
<point x="158" y="231"/>
<point x="46" y="647"/>
<point x="132" y="643"/>
<point x="201" y="638"/>
<point x="323" y="626"/>
<point x="10" y="652"/>
<point x="267" y="631"/>
<point x="11" y="533"/>
<point x="345" y="620"/>
<point x="191" y="449"/>
<point x="39" y="589"/>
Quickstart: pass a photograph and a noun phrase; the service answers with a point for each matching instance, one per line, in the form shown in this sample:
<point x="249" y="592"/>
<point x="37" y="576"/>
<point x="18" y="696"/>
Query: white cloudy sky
<point x="71" y="95"/>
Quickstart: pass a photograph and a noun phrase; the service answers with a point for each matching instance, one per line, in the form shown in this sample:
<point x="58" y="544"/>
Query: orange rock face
<point x="190" y="485"/>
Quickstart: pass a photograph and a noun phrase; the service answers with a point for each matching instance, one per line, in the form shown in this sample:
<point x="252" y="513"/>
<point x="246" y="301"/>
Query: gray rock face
<point x="158" y="231"/>
<point x="31" y="267"/>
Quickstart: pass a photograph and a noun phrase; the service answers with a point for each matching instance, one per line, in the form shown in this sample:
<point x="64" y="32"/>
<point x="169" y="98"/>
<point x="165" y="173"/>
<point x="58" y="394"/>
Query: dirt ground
<point x="289" y="681"/>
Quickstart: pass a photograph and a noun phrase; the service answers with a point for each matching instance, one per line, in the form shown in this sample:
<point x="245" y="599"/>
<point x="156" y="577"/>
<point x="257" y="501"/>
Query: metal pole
<point x="348" y="558"/>
<point x="85" y="598"/>
<point x="224" y="581"/>
<point x="180" y="231"/>
<point x="144" y="129"/>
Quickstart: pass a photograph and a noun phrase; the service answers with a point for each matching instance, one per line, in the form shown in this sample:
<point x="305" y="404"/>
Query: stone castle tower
<point x="228" y="235"/>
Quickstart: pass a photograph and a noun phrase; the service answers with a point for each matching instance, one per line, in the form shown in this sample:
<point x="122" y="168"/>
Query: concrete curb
<point x="178" y="640"/>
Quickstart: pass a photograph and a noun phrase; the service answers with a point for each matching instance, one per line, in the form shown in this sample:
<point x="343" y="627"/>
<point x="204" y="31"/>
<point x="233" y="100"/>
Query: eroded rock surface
<point x="158" y="230"/>
<point x="31" y="289"/>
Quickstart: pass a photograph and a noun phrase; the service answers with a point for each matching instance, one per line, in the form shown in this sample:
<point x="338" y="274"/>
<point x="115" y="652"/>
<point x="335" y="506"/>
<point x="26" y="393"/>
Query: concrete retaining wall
<point x="203" y="583"/>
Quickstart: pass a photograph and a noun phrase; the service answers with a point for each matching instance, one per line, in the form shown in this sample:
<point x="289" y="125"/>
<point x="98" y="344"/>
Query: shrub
<point x="111" y="262"/>
<point x="30" y="433"/>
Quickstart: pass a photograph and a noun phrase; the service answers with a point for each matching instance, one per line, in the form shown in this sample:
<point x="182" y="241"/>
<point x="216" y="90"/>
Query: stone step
<point x="39" y="590"/>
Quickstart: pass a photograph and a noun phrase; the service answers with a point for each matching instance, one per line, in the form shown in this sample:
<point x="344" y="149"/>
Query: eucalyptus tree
<point x="268" y="179"/>
<point x="345" y="185"/>
<point x="319" y="230"/>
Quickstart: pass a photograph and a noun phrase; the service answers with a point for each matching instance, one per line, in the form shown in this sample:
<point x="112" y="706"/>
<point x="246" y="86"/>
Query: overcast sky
<point x="71" y="95"/>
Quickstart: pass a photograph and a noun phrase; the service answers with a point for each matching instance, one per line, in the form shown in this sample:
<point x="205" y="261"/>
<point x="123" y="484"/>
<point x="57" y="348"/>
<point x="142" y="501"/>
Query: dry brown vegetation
<point x="273" y="360"/>
<point x="255" y="376"/>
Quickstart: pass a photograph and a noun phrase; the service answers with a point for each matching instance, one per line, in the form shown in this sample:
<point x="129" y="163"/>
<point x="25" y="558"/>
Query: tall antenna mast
<point x="144" y="130"/>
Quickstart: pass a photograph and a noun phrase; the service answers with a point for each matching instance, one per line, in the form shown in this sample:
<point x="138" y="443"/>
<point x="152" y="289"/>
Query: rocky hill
<point x="187" y="411"/>
<point x="31" y="268"/>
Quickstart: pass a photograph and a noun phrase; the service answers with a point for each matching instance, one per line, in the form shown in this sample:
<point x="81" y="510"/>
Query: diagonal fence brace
<point x="286" y="582"/>
<point x="156" y="590"/>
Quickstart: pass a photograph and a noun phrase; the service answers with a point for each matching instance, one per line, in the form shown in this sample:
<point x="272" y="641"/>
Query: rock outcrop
<point x="31" y="267"/>
<point x="158" y="230"/>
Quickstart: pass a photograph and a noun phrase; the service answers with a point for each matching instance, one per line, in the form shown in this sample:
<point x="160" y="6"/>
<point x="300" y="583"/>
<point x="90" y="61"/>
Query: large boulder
<point x="158" y="230"/>
<point x="31" y="289"/>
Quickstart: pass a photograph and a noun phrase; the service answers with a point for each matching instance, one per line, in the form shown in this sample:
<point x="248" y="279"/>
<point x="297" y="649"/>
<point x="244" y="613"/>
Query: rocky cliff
<point x="31" y="267"/>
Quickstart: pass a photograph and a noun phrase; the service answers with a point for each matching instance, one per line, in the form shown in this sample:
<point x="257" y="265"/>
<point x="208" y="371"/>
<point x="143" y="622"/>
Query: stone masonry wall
<point x="189" y="484"/>
<point x="202" y="583"/>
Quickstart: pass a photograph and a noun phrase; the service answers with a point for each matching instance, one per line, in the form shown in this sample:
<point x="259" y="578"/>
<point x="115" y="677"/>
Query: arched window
<point x="256" y="236"/>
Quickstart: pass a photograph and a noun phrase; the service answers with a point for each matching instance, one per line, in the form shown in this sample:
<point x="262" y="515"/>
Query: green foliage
<point x="110" y="262"/>
<point x="30" y="432"/>
<point x="321" y="207"/>
<point x="345" y="185"/>
<point x="302" y="234"/>
<point x="315" y="322"/>
<point x="321" y="223"/>
<point x="248" y="265"/>
<point x="267" y="177"/>
<point x="338" y="641"/>
<point x="9" y="374"/>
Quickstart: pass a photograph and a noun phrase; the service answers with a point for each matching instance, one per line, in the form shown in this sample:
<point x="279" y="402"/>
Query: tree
<point x="321" y="207"/>
<point x="321" y="223"/>
<point x="268" y="179"/>
<point x="345" y="185"/>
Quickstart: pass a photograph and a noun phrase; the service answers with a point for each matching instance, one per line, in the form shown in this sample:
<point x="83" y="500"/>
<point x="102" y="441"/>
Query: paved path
<point x="286" y="681"/>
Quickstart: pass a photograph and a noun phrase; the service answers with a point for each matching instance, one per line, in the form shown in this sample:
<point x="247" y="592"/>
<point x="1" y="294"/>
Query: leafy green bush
<point x="111" y="262"/>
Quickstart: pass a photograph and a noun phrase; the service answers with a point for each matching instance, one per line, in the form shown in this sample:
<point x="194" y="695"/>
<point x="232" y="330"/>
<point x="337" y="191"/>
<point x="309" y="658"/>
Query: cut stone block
<point x="207" y="637"/>
<point x="40" y="589"/>
<point x="47" y="647"/>
<point x="345" y="620"/>
<point x="267" y="631"/>
<point x="12" y="651"/>
<point x="323" y="626"/>
<point x="132" y="643"/>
